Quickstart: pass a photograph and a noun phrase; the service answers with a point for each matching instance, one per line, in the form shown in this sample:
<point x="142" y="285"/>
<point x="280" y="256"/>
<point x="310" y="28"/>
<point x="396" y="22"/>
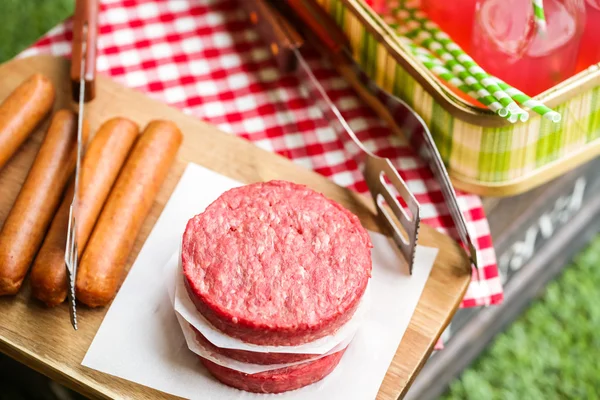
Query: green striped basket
<point x="484" y="154"/>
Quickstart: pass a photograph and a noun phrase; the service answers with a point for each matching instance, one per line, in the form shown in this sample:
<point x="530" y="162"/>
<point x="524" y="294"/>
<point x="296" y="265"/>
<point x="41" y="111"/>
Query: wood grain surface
<point x="43" y="338"/>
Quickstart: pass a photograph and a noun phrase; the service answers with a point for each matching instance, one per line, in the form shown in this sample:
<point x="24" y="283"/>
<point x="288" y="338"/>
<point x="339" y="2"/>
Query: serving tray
<point x="43" y="338"/>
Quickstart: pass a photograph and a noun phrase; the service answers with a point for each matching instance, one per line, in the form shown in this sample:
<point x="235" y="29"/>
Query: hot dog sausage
<point x="22" y="111"/>
<point x="27" y="221"/>
<point x="103" y="160"/>
<point x="102" y="266"/>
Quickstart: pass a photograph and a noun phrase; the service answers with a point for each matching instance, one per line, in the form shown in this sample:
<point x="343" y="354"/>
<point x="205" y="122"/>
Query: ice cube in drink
<point x="506" y="44"/>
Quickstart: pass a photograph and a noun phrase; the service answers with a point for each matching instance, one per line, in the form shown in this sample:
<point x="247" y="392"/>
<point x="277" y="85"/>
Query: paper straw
<point x="539" y="16"/>
<point x="437" y="67"/>
<point x="444" y="47"/>
<point x="424" y="39"/>
<point x="527" y="101"/>
<point x="517" y="95"/>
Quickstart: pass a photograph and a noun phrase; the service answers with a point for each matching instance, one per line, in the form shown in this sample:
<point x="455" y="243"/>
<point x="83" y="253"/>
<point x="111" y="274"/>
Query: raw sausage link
<point x="22" y="111"/>
<point x="103" y="160"/>
<point x="102" y="267"/>
<point x="32" y="212"/>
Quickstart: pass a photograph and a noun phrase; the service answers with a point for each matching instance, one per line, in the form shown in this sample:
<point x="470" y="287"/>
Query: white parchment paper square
<point x="140" y="338"/>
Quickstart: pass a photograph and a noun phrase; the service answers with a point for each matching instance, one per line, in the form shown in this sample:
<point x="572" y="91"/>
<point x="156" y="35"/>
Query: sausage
<point x="103" y="160"/>
<point x="22" y="111"/>
<point x="102" y="267"/>
<point x="32" y="212"/>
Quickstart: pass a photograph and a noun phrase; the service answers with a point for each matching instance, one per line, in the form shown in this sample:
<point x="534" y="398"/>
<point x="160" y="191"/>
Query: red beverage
<point x="377" y="5"/>
<point x="589" y="52"/>
<point x="455" y="17"/>
<point x="506" y="44"/>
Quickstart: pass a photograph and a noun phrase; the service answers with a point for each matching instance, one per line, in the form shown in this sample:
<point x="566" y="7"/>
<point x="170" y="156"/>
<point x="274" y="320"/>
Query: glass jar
<point x="589" y="52"/>
<point x="507" y="45"/>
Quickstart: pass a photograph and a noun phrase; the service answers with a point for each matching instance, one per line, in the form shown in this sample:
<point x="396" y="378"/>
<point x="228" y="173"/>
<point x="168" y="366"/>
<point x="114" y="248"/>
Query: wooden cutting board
<point x="43" y="338"/>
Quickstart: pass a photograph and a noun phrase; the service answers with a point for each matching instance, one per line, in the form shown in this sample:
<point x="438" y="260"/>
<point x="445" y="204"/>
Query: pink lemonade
<point x="506" y="45"/>
<point x="589" y="52"/>
<point x="455" y="17"/>
<point x="378" y="5"/>
<point x="383" y="7"/>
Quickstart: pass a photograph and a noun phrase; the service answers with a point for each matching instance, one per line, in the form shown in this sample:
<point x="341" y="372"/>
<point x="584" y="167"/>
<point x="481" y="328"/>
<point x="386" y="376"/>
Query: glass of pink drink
<point x="589" y="52"/>
<point x="505" y="42"/>
<point x="455" y="17"/>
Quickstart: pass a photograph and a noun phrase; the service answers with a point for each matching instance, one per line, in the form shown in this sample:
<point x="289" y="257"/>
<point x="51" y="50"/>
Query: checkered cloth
<point x="205" y="58"/>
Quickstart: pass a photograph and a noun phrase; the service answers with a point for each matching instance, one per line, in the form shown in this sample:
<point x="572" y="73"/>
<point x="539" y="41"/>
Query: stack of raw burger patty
<point x="275" y="264"/>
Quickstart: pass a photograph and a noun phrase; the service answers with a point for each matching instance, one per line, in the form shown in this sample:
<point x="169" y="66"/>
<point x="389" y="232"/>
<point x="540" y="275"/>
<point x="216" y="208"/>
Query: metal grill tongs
<point x="83" y="70"/>
<point x="403" y="225"/>
<point x="324" y="33"/>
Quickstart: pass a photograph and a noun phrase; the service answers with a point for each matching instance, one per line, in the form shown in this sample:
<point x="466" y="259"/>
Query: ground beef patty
<point x="276" y="263"/>
<point x="278" y="380"/>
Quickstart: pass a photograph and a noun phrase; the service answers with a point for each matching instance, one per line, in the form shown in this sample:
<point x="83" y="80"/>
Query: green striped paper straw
<point x="424" y="39"/>
<point x="445" y="48"/>
<point x="527" y="101"/>
<point x="539" y="16"/>
<point x="514" y="93"/>
<point x="436" y="66"/>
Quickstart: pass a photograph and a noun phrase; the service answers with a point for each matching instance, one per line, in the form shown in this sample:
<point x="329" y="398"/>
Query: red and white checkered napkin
<point x="205" y="58"/>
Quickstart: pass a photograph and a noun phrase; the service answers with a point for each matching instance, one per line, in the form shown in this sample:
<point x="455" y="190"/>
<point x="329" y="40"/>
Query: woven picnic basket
<point x="484" y="154"/>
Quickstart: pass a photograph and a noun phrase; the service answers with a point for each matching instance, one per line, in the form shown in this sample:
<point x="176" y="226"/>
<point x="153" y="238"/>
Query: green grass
<point x="553" y="350"/>
<point x="22" y="22"/>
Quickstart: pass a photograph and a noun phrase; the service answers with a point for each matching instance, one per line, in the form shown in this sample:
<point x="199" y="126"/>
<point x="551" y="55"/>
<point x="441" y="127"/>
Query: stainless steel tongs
<point x="286" y="46"/>
<point x="394" y="110"/>
<point x="375" y="171"/>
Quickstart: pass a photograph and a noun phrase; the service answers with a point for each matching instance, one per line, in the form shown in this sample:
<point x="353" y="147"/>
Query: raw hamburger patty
<point x="252" y="357"/>
<point x="276" y="263"/>
<point x="278" y="380"/>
